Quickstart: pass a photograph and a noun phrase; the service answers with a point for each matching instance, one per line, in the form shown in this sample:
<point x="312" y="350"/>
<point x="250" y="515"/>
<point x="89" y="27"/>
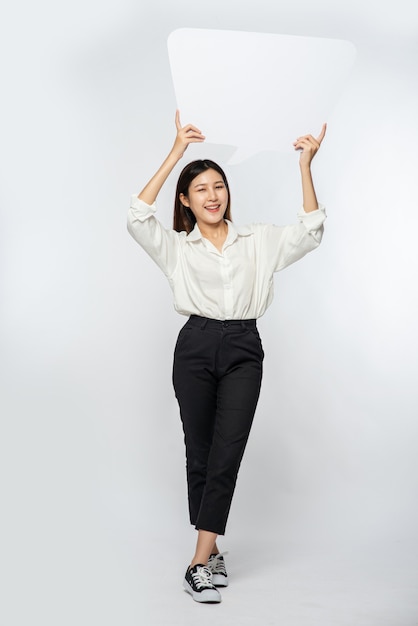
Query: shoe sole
<point x="209" y="596"/>
<point x="219" y="580"/>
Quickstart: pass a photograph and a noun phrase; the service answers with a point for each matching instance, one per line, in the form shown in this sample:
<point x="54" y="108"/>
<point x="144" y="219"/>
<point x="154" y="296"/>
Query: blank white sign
<point x="256" y="91"/>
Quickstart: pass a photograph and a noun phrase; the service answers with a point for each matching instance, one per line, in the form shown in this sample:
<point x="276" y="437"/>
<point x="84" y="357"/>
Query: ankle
<point x="196" y="562"/>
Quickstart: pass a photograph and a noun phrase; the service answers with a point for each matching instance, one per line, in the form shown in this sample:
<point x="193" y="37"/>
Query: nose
<point x="213" y="194"/>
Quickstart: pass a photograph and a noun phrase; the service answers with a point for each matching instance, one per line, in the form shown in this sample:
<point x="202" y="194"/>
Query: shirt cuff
<point x="140" y="209"/>
<point x="314" y="219"/>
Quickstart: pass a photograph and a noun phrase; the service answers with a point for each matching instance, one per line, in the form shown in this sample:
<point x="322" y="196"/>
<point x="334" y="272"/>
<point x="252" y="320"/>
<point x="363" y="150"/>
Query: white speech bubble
<point x="256" y="91"/>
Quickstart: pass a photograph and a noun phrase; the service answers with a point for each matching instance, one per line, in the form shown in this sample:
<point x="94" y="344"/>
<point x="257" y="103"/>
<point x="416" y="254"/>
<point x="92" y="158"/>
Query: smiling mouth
<point x="214" y="208"/>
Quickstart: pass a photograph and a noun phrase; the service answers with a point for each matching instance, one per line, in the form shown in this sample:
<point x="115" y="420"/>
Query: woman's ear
<point x="184" y="200"/>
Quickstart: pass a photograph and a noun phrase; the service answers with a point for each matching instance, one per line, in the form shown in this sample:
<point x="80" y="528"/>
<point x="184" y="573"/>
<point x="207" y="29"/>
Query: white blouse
<point x="236" y="283"/>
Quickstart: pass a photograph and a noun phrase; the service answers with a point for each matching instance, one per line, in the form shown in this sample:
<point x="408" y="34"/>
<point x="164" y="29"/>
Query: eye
<point x="219" y="186"/>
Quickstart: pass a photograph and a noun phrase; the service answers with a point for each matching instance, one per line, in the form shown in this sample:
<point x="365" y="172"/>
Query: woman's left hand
<point x="309" y="146"/>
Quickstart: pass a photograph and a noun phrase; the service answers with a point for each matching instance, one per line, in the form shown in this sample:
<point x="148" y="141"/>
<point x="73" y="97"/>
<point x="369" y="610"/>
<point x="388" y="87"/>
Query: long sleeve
<point x="287" y="244"/>
<point x="161" y="244"/>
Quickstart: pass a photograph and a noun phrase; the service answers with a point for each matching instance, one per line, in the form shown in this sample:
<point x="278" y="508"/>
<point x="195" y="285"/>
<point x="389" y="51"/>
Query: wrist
<point x="174" y="156"/>
<point x="305" y="167"/>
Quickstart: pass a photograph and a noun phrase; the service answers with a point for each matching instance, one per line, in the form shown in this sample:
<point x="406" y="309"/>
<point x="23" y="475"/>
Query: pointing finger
<point x="322" y="133"/>
<point x="178" y="124"/>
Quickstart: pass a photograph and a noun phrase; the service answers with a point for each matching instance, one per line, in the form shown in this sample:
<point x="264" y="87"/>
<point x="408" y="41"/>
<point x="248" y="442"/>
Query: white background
<point x="94" y="516"/>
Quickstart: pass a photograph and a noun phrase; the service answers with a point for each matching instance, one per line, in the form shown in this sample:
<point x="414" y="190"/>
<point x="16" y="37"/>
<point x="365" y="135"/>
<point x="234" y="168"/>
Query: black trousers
<point x="217" y="378"/>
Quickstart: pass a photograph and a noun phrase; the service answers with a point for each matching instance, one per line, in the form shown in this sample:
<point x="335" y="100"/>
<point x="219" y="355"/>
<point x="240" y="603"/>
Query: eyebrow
<point x="205" y="184"/>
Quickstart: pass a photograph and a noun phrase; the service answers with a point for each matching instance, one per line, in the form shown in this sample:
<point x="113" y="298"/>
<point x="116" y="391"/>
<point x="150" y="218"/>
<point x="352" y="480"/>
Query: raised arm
<point x="309" y="146"/>
<point x="185" y="135"/>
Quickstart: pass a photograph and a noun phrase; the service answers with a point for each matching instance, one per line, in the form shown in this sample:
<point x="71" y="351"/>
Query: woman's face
<point x="207" y="198"/>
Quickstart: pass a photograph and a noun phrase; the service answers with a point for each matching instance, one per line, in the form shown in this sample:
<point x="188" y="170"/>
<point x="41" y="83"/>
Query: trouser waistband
<point x="203" y="322"/>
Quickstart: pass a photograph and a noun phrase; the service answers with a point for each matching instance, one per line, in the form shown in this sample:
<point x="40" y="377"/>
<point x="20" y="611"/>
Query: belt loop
<point x="203" y="324"/>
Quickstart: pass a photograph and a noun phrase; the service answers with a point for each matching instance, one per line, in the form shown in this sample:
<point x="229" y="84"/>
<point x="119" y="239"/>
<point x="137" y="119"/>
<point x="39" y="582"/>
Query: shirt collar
<point x="233" y="232"/>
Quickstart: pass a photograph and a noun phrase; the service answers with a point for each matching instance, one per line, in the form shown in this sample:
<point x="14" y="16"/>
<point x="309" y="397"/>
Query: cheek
<point x="193" y="201"/>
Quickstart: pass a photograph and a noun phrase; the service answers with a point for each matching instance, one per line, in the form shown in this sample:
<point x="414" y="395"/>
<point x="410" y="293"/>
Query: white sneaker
<point x="198" y="582"/>
<point x="216" y="565"/>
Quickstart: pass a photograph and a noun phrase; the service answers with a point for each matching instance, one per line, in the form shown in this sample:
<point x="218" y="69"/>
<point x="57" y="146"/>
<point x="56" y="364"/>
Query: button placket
<point x="227" y="286"/>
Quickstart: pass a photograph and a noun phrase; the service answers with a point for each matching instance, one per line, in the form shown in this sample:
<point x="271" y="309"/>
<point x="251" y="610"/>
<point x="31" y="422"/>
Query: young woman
<point x="222" y="278"/>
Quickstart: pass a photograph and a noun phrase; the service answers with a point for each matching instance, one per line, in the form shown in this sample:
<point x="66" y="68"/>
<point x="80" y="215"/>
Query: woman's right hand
<point x="185" y="135"/>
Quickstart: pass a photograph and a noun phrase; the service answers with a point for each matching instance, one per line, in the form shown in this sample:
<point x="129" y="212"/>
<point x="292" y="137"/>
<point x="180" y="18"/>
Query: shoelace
<point x="216" y="565"/>
<point x="202" y="577"/>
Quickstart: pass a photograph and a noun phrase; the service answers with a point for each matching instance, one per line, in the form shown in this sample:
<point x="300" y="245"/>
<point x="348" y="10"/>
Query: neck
<point x="213" y="231"/>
